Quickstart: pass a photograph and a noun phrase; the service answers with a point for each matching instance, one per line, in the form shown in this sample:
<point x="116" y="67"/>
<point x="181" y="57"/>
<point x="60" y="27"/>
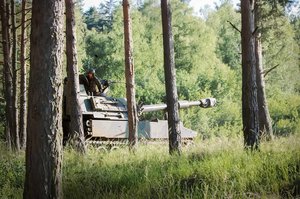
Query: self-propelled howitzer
<point x="106" y="119"/>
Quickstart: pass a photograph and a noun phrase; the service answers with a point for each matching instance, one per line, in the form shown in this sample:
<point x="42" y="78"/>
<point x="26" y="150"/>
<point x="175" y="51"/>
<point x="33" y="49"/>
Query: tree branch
<point x="265" y="72"/>
<point x="27" y="10"/>
<point x="24" y="22"/>
<point x="28" y="24"/>
<point x="274" y="56"/>
<point x="234" y="27"/>
<point x="254" y="32"/>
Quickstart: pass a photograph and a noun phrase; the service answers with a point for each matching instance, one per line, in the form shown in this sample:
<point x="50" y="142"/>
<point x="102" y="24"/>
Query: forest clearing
<point x="149" y="99"/>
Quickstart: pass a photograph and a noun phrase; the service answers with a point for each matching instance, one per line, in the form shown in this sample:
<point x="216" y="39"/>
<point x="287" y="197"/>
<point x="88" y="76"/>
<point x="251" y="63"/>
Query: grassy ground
<point x="217" y="168"/>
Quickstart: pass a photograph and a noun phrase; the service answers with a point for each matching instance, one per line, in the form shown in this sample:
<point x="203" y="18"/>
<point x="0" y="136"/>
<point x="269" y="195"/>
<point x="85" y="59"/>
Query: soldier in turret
<point x="93" y="85"/>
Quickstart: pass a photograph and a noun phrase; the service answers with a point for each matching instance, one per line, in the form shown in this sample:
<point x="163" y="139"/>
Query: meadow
<point x="214" y="168"/>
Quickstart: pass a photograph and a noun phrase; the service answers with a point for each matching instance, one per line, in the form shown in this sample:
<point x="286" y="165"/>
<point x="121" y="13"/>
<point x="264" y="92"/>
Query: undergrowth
<point x="216" y="168"/>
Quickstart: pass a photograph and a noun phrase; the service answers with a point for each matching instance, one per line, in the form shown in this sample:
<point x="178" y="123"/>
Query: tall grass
<point x="12" y="172"/>
<point x="218" y="168"/>
<point x="215" y="169"/>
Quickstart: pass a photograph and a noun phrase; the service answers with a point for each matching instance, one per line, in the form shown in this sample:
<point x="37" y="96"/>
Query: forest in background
<point x="207" y="59"/>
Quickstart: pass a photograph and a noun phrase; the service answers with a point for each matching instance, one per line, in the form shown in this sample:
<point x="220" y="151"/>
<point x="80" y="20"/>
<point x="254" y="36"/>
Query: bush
<point x="285" y="112"/>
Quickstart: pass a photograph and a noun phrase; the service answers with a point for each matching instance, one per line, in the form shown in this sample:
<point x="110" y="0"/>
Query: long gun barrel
<point x="204" y="103"/>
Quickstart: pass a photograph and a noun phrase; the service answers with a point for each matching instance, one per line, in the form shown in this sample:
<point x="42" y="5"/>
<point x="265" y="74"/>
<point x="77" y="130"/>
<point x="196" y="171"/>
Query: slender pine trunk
<point x="23" y="85"/>
<point x="170" y="78"/>
<point x="15" y="128"/>
<point x="7" y="73"/>
<point x="249" y="86"/>
<point x="76" y="122"/>
<point x="265" y="121"/>
<point x="129" y="74"/>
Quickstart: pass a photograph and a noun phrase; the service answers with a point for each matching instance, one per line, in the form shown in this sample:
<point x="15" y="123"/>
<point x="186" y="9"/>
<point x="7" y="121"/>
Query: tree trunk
<point x="129" y="74"/>
<point x="43" y="177"/>
<point x="14" y="77"/>
<point x="7" y="74"/>
<point x="249" y="87"/>
<point x="265" y="122"/>
<point x="23" y="85"/>
<point x="76" y="125"/>
<point x="170" y="78"/>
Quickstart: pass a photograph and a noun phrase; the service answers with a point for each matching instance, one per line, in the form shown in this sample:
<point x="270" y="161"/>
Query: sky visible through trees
<point x="196" y="4"/>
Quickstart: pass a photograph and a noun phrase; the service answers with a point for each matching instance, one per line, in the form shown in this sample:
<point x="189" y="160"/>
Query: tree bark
<point x="14" y="77"/>
<point x="44" y="138"/>
<point x="23" y="85"/>
<point x="129" y="75"/>
<point x="265" y="122"/>
<point x="170" y="79"/>
<point x="7" y="74"/>
<point x="76" y="125"/>
<point x="249" y="87"/>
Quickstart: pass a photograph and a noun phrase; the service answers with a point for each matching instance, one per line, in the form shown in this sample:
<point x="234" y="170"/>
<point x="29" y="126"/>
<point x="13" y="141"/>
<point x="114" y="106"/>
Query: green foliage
<point x="215" y="168"/>
<point x="80" y="35"/>
<point x="12" y="172"/>
<point x="285" y="111"/>
<point x="199" y="71"/>
<point x="279" y="49"/>
<point x="101" y="19"/>
<point x="92" y="18"/>
<point x="207" y="60"/>
<point x="229" y="39"/>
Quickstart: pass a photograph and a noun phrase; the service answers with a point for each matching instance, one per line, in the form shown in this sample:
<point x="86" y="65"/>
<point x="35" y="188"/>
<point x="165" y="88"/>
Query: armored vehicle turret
<point x="106" y="119"/>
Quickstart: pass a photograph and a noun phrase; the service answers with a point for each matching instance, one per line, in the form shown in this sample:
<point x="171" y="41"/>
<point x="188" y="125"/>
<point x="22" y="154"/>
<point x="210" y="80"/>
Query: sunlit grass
<point x="218" y="168"/>
<point x="215" y="168"/>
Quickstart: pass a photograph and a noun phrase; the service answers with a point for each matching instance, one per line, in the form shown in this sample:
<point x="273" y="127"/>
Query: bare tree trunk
<point x="14" y="77"/>
<point x="249" y="87"/>
<point x="7" y="73"/>
<point x="76" y="126"/>
<point x="43" y="177"/>
<point x="23" y="85"/>
<point x="129" y="74"/>
<point x="170" y="78"/>
<point x="265" y="122"/>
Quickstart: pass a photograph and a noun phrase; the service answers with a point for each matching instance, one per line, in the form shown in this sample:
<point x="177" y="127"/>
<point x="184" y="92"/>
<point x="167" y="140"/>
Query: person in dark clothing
<point x="93" y="85"/>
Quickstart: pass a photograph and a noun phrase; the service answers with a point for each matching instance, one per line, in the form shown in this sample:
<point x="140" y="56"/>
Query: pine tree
<point x="43" y="178"/>
<point x="249" y="87"/>
<point x="75" y="126"/>
<point x="170" y="78"/>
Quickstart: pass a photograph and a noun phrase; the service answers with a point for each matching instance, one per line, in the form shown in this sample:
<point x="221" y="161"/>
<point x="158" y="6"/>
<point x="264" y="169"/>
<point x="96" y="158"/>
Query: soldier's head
<point x="90" y="73"/>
